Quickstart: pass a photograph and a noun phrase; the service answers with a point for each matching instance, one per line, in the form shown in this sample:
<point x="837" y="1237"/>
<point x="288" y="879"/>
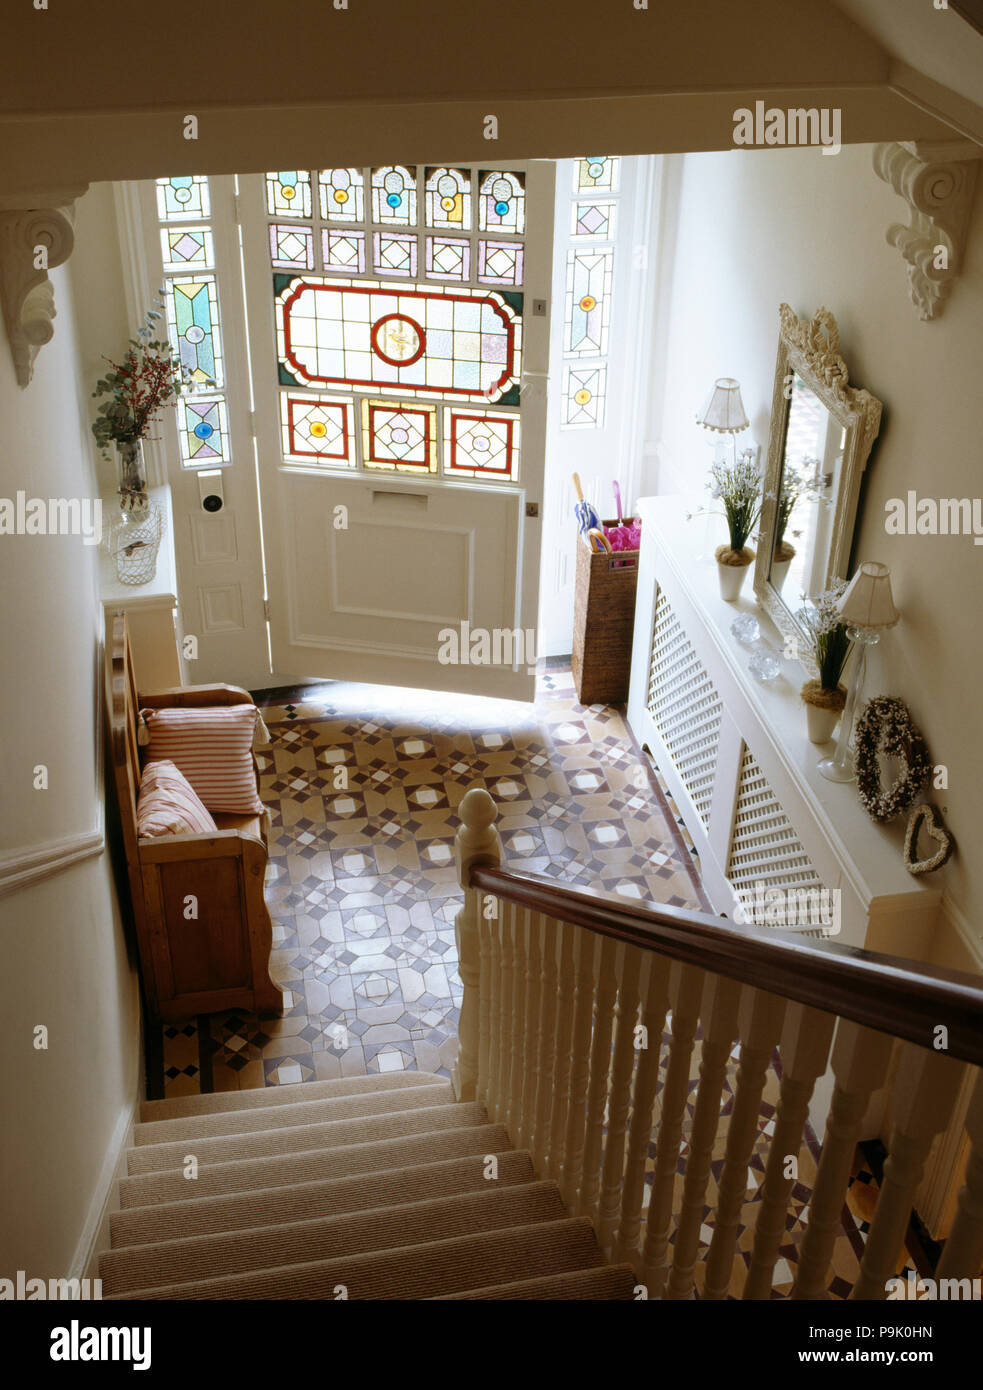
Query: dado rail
<point x="568" y="996"/>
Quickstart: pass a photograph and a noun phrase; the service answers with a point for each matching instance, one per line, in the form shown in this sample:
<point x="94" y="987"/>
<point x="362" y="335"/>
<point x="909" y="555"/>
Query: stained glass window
<point x="448" y="199"/>
<point x="203" y="430"/>
<point x="458" y="341"/>
<point x="394" y="195"/>
<point x="183" y="197"/>
<point x="596" y="172"/>
<point x="400" y="436"/>
<point x="342" y="194"/>
<point x="192" y="315"/>
<point x="288" y="193"/>
<point x="394" y="253"/>
<point x="500" y="262"/>
<point x="291" y="247"/>
<point x="594" y="219"/>
<point x="502" y="202"/>
<point x="478" y="444"/>
<point x="448" y="258"/>
<point x="186" y="248"/>
<point x="588" y="296"/>
<point x="344" y="251"/>
<point x="583" y="397"/>
<point x="317" y="427"/>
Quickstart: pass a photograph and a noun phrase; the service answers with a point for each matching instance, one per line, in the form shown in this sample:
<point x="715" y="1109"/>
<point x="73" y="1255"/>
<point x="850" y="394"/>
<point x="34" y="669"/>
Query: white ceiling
<point x="939" y="43"/>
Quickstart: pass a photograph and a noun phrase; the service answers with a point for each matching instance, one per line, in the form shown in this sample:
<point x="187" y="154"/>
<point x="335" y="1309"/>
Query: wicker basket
<point x="603" y="622"/>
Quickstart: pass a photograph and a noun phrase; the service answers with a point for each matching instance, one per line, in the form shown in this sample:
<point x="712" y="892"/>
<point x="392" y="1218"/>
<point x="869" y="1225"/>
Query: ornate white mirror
<point x="822" y="431"/>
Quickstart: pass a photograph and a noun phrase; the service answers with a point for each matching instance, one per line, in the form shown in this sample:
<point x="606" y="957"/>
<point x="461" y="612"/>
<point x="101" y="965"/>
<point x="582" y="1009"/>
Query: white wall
<point x="65" y="958"/>
<point x="758" y="228"/>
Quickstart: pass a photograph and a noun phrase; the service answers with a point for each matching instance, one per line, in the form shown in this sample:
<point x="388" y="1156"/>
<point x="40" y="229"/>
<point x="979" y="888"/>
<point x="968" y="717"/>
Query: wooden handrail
<point x="882" y="992"/>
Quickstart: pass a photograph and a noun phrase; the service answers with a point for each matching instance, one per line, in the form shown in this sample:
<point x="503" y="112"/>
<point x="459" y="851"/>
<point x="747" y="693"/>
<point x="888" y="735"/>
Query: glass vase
<point x="133" y="500"/>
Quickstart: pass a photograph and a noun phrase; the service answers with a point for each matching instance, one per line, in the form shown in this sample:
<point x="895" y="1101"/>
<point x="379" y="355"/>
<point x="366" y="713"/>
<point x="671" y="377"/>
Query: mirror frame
<point x="810" y="347"/>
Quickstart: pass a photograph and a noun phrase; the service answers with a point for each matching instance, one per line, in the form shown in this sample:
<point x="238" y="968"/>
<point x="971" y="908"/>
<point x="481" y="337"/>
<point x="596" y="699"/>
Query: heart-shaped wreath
<point x="926" y="815"/>
<point x="885" y="727"/>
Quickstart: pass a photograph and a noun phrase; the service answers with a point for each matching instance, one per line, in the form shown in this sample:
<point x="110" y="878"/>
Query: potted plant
<point x="738" y="486"/>
<point x="149" y="378"/>
<point x="795" y="484"/>
<point x="829" y="646"/>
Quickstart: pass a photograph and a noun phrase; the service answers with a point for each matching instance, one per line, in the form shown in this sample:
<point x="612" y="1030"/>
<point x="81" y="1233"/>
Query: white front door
<point x="399" y="343"/>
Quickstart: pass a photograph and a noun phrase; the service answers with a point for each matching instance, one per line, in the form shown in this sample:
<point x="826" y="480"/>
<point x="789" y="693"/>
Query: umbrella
<point x="587" y="518"/>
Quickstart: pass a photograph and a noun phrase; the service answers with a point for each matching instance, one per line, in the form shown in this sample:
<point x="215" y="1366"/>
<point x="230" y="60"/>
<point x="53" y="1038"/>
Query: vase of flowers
<point x="148" y="379"/>
<point x="830" y="647"/>
<point x="796" y="484"/>
<point x="737" y="486"/>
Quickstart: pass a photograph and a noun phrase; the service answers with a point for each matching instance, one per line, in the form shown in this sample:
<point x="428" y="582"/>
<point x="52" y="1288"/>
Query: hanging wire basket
<point x="134" y="545"/>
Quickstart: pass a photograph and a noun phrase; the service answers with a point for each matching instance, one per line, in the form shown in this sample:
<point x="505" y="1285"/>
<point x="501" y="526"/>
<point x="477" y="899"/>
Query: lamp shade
<point x="724" y="411"/>
<point x="867" y="601"/>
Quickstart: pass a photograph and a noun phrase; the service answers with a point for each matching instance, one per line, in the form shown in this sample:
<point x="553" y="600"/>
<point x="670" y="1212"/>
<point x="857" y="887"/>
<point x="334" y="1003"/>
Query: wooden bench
<point x="220" y="958"/>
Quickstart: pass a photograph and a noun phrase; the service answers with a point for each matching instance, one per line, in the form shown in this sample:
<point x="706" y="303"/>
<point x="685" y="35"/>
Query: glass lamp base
<point x="837" y="772"/>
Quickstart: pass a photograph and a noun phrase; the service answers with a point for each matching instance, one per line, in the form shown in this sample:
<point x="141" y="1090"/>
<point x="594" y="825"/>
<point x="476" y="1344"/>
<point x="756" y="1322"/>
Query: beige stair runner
<point x="368" y="1188"/>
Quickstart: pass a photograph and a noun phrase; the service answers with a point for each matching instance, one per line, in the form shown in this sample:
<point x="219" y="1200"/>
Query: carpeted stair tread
<point x="303" y="1111"/>
<point x="177" y="1107"/>
<point x="302" y="1201"/>
<point x="457" y="1135"/>
<point x="330" y="1238"/>
<point x="300" y="1138"/>
<point x="604" y="1282"/>
<point x="413" y="1271"/>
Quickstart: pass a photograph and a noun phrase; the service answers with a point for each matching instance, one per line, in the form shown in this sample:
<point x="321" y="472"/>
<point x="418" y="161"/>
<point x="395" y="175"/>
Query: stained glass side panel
<point x="394" y="254"/>
<point x="394" y="195"/>
<point x="448" y="258"/>
<point x="500" y="262"/>
<point x="192" y="317"/>
<point x="584" y="390"/>
<point x="588" y="302"/>
<point x="291" y="247"/>
<point x="344" y="251"/>
<point x="594" y="219"/>
<point x="185" y="196"/>
<point x="481" y="445"/>
<point x="501" y="202"/>
<point x="400" y="436"/>
<point x="342" y="195"/>
<point x="203" y="431"/>
<point x="288" y="193"/>
<point x="186" y="248"/>
<point x="448" y="199"/>
<point x="318" y="428"/>
<point x="596" y="173"/>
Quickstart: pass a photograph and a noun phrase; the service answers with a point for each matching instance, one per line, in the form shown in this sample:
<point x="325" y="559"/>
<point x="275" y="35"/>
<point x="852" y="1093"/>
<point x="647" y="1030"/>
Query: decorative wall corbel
<point x="27" y="223"/>
<point x="937" y="181"/>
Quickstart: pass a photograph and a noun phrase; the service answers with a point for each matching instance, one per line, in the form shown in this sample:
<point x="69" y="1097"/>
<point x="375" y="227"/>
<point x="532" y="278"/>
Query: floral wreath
<point x="885" y="726"/>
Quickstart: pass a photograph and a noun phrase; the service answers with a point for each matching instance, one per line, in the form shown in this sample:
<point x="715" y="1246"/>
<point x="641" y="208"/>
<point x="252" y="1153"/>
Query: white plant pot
<point x="821" y="723"/>
<point x="779" y="571"/>
<point x="731" y="580"/>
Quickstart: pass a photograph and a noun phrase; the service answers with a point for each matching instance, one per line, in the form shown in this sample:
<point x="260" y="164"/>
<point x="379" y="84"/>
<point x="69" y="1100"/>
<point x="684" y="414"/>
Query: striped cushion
<point x="213" y="748"/>
<point x="169" y="805"/>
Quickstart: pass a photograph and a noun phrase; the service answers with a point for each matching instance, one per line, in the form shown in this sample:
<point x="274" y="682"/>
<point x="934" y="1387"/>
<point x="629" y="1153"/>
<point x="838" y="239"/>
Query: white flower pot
<point x="821" y="723"/>
<point x="779" y="570"/>
<point x="731" y="580"/>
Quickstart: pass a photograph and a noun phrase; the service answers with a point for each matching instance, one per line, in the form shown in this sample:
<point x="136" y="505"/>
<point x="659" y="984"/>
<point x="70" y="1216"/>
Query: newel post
<point x="476" y="842"/>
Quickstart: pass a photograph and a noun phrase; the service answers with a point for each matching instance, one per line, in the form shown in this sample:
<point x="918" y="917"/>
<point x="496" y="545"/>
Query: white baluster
<point x="860" y="1062"/>
<point x="719" y="1015"/>
<point x="487" y="980"/>
<point x="619" y="1097"/>
<point x="504" y="1077"/>
<point x="962" y="1254"/>
<point x="805" y="1043"/>
<point x="513" y="1108"/>
<point x="585" y="947"/>
<point x="533" y="991"/>
<point x="686" y="984"/>
<point x="476" y="841"/>
<point x="922" y="1099"/>
<point x="760" y="1024"/>
<point x="560" y="1103"/>
<point x="655" y="1002"/>
<point x="547" y="1048"/>
<point x="600" y="1067"/>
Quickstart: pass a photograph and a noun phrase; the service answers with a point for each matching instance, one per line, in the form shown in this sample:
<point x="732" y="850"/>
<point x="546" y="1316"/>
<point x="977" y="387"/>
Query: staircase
<point x="372" y="1187"/>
